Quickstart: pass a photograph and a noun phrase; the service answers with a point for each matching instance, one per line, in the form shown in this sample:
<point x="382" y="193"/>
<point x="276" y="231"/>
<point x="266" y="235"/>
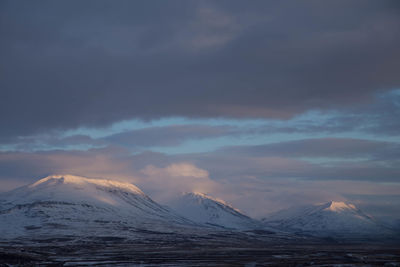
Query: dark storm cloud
<point x="74" y="63"/>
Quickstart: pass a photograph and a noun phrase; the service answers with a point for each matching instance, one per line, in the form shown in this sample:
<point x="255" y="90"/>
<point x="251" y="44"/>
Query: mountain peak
<point x="79" y="205"/>
<point x="199" y="195"/>
<point x="339" y="206"/>
<point x="335" y="219"/>
<point x="67" y="179"/>
<point x="204" y="209"/>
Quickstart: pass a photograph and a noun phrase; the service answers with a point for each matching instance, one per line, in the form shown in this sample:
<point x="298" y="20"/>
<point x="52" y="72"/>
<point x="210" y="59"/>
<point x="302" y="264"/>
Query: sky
<point x="265" y="104"/>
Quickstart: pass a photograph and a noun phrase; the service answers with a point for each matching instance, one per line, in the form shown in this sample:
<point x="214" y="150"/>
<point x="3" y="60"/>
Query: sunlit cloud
<point x="171" y="181"/>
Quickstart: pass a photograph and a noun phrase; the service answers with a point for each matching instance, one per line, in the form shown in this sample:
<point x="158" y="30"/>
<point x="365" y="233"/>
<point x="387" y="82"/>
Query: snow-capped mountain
<point x="204" y="209"/>
<point x="332" y="219"/>
<point x="66" y="204"/>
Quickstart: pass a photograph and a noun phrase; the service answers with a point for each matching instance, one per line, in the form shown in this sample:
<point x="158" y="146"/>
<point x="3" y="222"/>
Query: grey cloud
<point x="345" y="148"/>
<point x="50" y="142"/>
<point x="375" y="161"/>
<point x="378" y="118"/>
<point x="145" y="138"/>
<point x="276" y="168"/>
<point x="68" y="64"/>
<point x="168" y="135"/>
<point x="29" y="166"/>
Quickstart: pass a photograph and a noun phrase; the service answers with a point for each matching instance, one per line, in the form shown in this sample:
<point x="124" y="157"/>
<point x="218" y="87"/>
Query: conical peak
<point x="202" y="196"/>
<point x="199" y="195"/>
<point x="339" y="206"/>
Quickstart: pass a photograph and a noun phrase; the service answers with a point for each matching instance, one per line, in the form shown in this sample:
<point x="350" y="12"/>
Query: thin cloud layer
<point x="344" y="148"/>
<point x="168" y="135"/>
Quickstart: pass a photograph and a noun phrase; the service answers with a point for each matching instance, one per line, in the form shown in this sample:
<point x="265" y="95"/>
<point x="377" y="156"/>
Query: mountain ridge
<point x="70" y="204"/>
<point x="205" y="209"/>
<point x="330" y="219"/>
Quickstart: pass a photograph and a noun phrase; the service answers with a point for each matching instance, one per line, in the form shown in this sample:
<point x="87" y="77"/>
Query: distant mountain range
<point x="79" y="206"/>
<point x="332" y="219"/>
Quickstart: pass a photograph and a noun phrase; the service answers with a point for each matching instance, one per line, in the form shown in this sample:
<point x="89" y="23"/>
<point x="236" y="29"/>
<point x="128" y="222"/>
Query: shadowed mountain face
<point x="332" y="219"/>
<point x="204" y="209"/>
<point x="66" y="204"/>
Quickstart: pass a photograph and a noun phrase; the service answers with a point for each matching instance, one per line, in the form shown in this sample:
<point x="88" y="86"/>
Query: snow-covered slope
<point x="332" y="219"/>
<point x="204" y="209"/>
<point x="66" y="204"/>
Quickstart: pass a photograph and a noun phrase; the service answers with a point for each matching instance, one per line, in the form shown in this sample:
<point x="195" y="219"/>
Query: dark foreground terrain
<point x="233" y="249"/>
